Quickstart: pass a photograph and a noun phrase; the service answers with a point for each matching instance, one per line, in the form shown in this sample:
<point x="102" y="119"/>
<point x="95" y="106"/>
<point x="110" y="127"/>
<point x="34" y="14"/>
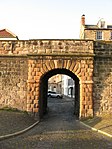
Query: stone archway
<point x="82" y="68"/>
<point x="44" y="88"/>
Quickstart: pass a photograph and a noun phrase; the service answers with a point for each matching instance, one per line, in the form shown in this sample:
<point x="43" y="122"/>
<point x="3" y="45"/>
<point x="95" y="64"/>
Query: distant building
<point x="100" y="31"/>
<point x="55" y="83"/>
<point x="62" y="84"/>
<point x="68" y="86"/>
<point x="5" y="34"/>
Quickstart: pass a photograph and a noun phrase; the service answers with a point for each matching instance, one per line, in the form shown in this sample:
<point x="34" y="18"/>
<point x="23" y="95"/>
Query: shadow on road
<point x="60" y="107"/>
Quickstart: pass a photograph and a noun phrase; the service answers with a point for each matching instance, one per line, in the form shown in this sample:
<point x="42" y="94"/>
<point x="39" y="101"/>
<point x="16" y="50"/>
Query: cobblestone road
<point x="59" y="130"/>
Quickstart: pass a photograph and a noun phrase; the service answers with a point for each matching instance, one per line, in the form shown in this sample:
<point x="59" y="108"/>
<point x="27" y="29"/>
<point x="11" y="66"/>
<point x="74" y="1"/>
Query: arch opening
<point x="43" y="98"/>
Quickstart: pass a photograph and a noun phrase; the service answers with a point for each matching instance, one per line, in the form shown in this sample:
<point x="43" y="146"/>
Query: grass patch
<point x="10" y="109"/>
<point x="86" y="118"/>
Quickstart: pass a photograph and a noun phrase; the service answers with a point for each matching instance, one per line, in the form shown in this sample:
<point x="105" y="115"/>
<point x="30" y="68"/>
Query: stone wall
<point x="13" y="82"/>
<point x="46" y="47"/>
<point x="91" y="34"/>
<point x="22" y="64"/>
<point x="102" y="89"/>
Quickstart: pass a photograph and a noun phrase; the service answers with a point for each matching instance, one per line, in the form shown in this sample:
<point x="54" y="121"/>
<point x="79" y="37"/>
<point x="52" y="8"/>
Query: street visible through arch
<point x="43" y="100"/>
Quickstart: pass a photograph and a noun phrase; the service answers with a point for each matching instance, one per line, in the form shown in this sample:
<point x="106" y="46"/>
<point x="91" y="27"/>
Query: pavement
<point x="12" y="122"/>
<point x="59" y="129"/>
<point x="102" y="124"/>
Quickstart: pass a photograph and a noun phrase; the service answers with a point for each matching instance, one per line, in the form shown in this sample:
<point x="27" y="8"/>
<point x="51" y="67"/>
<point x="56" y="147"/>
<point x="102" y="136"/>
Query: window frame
<point x="99" y="35"/>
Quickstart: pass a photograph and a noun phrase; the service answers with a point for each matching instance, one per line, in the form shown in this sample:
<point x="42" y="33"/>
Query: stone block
<point x="28" y="106"/>
<point x="35" y="101"/>
<point x="35" y="110"/>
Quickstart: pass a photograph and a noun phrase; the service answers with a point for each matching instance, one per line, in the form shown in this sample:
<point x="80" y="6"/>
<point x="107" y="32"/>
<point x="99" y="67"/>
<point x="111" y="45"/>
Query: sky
<point x="51" y="19"/>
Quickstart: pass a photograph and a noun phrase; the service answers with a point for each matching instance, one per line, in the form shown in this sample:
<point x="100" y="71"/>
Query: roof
<point x="95" y="27"/>
<point x="91" y="26"/>
<point x="5" y="33"/>
<point x="109" y="26"/>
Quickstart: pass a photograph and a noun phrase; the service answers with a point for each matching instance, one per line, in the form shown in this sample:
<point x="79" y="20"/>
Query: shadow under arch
<point x="44" y="88"/>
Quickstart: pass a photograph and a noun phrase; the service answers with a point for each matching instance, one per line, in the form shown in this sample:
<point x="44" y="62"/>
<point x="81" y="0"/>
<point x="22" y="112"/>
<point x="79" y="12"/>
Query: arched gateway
<point x="43" y="68"/>
<point x="44" y="88"/>
<point x="77" y="63"/>
<point x="35" y="61"/>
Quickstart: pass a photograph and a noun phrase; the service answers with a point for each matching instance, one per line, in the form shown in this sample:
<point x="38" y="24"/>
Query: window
<point x="102" y="24"/>
<point x="99" y="35"/>
<point x="110" y="35"/>
<point x="70" y="82"/>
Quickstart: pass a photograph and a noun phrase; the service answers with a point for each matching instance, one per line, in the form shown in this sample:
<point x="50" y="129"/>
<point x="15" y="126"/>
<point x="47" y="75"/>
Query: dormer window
<point x="101" y="23"/>
<point x="99" y="35"/>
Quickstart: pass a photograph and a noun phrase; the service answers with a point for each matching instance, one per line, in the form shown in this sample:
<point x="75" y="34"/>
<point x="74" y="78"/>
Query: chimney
<point x="83" y="19"/>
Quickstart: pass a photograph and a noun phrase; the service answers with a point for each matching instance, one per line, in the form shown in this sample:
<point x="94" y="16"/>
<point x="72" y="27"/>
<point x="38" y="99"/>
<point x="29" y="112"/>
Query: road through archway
<point x="43" y="100"/>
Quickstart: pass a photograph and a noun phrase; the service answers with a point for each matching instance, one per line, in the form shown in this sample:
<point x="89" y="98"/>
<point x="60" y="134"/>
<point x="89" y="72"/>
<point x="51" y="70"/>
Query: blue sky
<point x="51" y="19"/>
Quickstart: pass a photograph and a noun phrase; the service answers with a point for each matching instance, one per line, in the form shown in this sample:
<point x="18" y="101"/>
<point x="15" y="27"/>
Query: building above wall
<point x="5" y="34"/>
<point x="100" y="31"/>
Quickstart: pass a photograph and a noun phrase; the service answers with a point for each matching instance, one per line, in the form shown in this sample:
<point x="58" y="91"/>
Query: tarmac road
<point x="58" y="130"/>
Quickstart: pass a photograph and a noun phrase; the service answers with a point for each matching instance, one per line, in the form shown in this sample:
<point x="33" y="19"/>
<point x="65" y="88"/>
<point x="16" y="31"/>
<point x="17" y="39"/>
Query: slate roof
<point x="91" y="26"/>
<point x="96" y="27"/>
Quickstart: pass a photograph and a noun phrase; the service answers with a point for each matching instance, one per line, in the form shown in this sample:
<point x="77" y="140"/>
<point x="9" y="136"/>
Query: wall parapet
<point x="46" y="47"/>
<point x="56" y="47"/>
